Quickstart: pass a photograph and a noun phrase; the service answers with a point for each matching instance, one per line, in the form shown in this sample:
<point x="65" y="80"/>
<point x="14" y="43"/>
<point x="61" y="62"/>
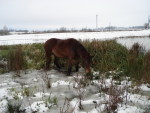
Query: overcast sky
<point x="51" y="14"/>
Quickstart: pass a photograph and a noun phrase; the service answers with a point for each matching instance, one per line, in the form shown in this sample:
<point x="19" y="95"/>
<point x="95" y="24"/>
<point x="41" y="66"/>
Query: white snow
<point x="39" y="38"/>
<point x="144" y="87"/>
<point x="60" y="82"/>
<point x="5" y="83"/>
<point x="39" y="107"/>
<point x="138" y="99"/>
<point x="41" y="94"/>
<point x="35" y="79"/>
<point x="41" y="104"/>
<point x="129" y="109"/>
<point x="3" y="93"/>
<point x="3" y="104"/>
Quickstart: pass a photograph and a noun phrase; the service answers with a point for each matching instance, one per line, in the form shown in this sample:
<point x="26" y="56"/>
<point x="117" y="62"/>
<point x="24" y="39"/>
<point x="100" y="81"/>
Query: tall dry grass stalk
<point x="16" y="60"/>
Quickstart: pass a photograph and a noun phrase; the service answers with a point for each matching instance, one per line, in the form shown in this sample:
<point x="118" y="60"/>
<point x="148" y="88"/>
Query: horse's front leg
<point x="69" y="68"/>
<point x="77" y="67"/>
<point x="56" y="62"/>
<point x="48" y="61"/>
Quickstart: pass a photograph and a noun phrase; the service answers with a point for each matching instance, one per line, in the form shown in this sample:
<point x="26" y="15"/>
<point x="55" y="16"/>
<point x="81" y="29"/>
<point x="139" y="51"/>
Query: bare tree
<point x="4" y="31"/>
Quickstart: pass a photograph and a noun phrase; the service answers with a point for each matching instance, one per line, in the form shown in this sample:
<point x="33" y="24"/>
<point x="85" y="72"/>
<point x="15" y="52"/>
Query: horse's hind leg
<point x="48" y="60"/>
<point x="77" y="67"/>
<point x="69" y="67"/>
<point x="69" y="70"/>
<point x="56" y="62"/>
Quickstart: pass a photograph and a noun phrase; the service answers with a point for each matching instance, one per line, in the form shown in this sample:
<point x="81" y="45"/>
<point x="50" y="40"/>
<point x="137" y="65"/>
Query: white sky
<point x="51" y="14"/>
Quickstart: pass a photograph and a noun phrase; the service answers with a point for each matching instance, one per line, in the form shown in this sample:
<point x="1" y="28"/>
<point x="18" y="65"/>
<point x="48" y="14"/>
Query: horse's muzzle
<point x="88" y="70"/>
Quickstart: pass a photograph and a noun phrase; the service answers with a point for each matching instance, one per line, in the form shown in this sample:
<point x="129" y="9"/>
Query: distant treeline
<point x="5" y="30"/>
<point x="2" y="32"/>
<point x="109" y="28"/>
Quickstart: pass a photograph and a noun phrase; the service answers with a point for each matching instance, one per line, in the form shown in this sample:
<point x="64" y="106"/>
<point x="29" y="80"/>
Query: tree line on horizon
<point x="6" y="31"/>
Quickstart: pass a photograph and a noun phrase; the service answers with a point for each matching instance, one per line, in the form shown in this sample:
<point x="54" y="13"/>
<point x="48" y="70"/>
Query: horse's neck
<point x="83" y="55"/>
<point x="82" y="51"/>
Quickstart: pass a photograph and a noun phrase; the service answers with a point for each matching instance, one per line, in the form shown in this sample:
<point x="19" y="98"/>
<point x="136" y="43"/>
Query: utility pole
<point x="109" y="25"/>
<point x="148" y="21"/>
<point x="96" y="22"/>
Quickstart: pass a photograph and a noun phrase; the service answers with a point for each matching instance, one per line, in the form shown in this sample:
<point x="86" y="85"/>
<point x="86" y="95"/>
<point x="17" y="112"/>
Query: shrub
<point x="108" y="55"/>
<point x="16" y="59"/>
<point x="138" y="62"/>
<point x="146" y="73"/>
<point x="14" y="107"/>
<point x="35" y="55"/>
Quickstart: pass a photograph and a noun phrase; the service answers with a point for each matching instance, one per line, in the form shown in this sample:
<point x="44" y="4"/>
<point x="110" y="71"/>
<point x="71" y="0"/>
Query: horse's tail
<point x="49" y="45"/>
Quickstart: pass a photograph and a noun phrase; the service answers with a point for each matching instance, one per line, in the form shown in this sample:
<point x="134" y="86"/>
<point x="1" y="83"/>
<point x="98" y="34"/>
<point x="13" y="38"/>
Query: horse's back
<point x="49" y="44"/>
<point x="61" y="48"/>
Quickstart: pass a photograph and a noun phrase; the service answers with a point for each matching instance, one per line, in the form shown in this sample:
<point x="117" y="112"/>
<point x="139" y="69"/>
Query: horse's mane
<point x="79" y="47"/>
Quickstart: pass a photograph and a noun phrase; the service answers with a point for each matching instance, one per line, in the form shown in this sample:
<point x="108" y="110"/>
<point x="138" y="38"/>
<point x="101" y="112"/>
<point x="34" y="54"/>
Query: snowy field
<point x="72" y="94"/>
<point x="38" y="38"/>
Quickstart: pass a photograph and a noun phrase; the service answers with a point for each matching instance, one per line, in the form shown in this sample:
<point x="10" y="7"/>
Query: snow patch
<point x="41" y="94"/>
<point x="129" y="109"/>
<point x="144" y="87"/>
<point x="39" y="107"/>
<point x="60" y="82"/>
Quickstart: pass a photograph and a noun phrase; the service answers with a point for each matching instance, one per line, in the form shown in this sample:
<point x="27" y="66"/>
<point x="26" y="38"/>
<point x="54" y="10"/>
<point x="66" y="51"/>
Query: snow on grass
<point x="3" y="84"/>
<point x="41" y="94"/>
<point x="60" y="82"/>
<point x="93" y="102"/>
<point x="3" y="93"/>
<point x="129" y="109"/>
<point x="144" y="87"/>
<point x="105" y="83"/>
<point x="138" y="100"/>
<point x="3" y="104"/>
<point x="6" y="83"/>
<point x="75" y="104"/>
<point x="35" y="79"/>
<point x="39" y="107"/>
<point x="134" y="98"/>
<point x="126" y="83"/>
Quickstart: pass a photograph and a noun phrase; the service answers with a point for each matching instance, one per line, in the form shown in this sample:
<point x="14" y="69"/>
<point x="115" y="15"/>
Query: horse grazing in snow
<point x="71" y="49"/>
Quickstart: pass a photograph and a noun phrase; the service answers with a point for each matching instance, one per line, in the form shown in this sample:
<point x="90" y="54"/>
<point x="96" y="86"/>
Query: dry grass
<point x="16" y="60"/>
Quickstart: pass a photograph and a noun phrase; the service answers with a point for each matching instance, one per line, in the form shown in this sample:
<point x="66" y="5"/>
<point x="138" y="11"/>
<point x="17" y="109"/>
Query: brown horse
<point x="70" y="49"/>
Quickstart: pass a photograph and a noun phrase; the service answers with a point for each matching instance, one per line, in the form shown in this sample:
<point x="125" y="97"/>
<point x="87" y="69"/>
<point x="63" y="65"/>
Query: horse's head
<point x="87" y="63"/>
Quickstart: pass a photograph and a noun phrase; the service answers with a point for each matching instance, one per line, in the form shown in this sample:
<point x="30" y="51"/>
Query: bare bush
<point x="16" y="60"/>
<point x="46" y="80"/>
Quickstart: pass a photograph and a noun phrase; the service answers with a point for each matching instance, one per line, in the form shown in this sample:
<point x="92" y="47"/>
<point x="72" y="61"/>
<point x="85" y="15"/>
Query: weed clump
<point x="16" y="60"/>
<point x="14" y="107"/>
<point x="138" y="64"/>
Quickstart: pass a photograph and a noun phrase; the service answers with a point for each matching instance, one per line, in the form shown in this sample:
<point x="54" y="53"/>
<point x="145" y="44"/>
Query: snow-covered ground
<point x="73" y="94"/>
<point x="38" y="38"/>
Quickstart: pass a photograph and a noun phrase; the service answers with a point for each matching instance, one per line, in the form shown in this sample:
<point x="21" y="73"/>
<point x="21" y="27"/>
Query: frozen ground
<point x="38" y="38"/>
<point x="73" y="94"/>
